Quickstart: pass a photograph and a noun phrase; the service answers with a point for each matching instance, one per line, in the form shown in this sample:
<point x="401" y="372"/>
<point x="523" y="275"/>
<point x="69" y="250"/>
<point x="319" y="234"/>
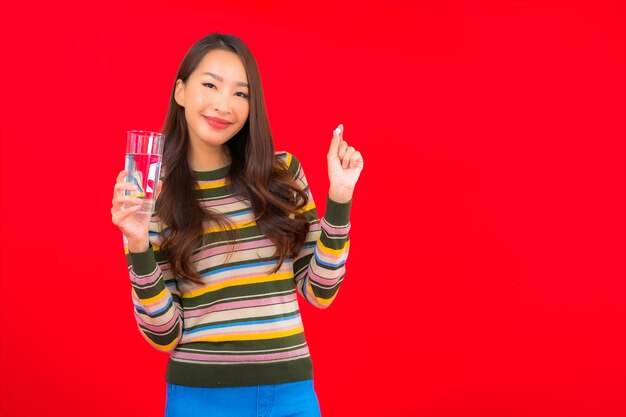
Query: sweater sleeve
<point x="155" y="297"/>
<point x="320" y="266"/>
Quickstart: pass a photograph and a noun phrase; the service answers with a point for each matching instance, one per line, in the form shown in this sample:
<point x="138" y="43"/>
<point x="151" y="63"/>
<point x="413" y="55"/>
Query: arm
<point x="319" y="267"/>
<point x="155" y="296"/>
<point x="154" y="292"/>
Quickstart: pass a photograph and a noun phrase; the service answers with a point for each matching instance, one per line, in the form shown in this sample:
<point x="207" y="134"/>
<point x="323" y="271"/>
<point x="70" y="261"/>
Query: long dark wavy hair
<point x="255" y="173"/>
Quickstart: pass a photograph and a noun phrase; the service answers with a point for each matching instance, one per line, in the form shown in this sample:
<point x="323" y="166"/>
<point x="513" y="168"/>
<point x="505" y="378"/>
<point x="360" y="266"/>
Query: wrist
<point x="138" y="246"/>
<point x="340" y="194"/>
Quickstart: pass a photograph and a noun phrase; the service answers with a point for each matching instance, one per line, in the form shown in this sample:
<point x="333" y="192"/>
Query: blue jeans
<point x="293" y="399"/>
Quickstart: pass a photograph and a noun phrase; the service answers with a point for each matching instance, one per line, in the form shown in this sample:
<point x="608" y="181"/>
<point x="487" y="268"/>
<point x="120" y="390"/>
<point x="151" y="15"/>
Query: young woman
<point x="215" y="271"/>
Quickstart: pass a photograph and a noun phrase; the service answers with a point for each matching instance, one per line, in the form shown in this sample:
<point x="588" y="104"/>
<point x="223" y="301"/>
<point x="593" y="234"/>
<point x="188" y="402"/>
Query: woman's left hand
<point x="344" y="167"/>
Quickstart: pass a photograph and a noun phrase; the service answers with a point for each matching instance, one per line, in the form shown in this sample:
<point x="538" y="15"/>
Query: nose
<point x="221" y="103"/>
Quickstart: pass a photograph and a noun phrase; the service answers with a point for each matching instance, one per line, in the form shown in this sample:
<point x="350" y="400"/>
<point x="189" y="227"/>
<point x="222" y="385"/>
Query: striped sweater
<point x="242" y="325"/>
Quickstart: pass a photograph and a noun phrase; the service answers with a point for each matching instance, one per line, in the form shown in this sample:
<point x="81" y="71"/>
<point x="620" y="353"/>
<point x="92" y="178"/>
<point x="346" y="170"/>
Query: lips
<point x="217" y="123"/>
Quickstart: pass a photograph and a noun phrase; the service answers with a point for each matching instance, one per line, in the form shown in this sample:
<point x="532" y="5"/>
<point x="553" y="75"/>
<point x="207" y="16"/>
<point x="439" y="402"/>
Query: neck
<point x="207" y="158"/>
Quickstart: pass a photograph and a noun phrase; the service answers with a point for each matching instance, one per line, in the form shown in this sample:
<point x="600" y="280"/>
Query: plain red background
<point x="487" y="271"/>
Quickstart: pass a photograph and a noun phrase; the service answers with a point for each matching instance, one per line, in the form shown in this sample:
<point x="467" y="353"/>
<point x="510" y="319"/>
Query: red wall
<point x="487" y="271"/>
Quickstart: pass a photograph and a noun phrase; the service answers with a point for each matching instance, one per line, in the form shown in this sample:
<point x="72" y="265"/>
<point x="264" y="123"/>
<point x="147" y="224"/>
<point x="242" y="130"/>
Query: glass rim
<point x="145" y="133"/>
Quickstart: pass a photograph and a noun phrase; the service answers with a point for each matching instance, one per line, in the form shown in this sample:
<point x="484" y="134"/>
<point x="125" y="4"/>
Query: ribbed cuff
<point x="142" y="263"/>
<point x="337" y="214"/>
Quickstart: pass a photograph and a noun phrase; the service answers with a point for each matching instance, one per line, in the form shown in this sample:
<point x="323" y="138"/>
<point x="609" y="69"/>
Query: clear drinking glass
<point x="144" y="151"/>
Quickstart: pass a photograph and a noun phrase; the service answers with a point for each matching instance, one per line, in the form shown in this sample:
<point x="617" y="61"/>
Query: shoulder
<point x="288" y="161"/>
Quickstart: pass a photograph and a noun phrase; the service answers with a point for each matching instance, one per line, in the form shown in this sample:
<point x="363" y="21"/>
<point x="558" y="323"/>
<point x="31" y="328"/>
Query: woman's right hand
<point x="126" y="215"/>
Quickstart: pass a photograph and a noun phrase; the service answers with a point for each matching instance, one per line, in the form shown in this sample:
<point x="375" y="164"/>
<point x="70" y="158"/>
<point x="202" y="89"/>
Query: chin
<point x="215" y="140"/>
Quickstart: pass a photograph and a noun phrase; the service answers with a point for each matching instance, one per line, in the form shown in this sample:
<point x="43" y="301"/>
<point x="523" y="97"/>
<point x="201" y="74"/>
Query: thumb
<point x="159" y="186"/>
<point x="334" y="143"/>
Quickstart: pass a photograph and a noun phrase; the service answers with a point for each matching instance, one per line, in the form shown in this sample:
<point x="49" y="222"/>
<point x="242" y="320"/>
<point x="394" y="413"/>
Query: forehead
<point x="223" y="63"/>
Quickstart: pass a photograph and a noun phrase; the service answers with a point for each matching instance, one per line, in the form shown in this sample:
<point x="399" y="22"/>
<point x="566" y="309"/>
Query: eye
<point x="241" y="94"/>
<point x="208" y="85"/>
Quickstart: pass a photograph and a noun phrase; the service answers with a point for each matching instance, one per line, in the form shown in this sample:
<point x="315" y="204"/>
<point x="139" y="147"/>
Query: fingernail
<point x="337" y="131"/>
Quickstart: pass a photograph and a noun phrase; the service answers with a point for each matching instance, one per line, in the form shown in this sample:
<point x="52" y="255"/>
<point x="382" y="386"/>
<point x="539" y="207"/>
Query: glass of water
<point x="144" y="151"/>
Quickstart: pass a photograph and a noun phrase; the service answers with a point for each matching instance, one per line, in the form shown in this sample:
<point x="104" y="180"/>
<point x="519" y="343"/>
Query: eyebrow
<point x="221" y="79"/>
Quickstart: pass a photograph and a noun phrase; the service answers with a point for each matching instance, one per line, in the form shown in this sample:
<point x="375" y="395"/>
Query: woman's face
<point x="215" y="98"/>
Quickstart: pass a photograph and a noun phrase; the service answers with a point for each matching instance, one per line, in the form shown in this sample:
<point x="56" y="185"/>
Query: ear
<point x="179" y="92"/>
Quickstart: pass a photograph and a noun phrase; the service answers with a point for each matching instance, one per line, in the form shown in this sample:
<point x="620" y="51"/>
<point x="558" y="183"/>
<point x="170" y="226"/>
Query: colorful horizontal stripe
<point x="242" y="324"/>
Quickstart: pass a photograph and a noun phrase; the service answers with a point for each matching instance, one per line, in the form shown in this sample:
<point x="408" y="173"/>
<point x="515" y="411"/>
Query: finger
<point x="121" y="187"/>
<point x="120" y="179"/>
<point x="124" y="186"/>
<point x="356" y="160"/>
<point x="126" y="199"/>
<point x="345" y="160"/>
<point x="123" y="174"/>
<point x="119" y="216"/>
<point x="159" y="188"/>
<point x="334" y="144"/>
<point x="343" y="147"/>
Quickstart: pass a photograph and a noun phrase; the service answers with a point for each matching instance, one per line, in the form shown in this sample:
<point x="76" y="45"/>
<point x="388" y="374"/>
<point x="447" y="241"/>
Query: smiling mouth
<point x="217" y="123"/>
